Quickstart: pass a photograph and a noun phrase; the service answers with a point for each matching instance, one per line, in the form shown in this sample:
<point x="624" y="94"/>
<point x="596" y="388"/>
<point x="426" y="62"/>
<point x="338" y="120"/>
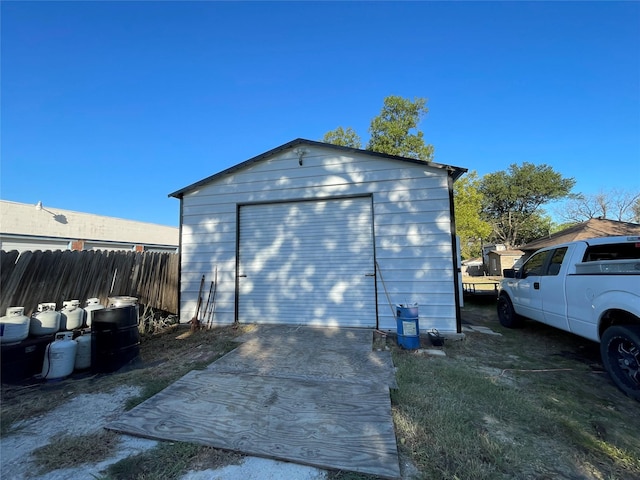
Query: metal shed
<point x="310" y="233"/>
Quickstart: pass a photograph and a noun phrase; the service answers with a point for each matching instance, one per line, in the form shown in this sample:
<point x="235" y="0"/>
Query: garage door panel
<point x="307" y="263"/>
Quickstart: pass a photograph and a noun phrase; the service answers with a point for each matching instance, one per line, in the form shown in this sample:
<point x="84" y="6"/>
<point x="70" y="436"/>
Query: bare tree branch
<point x="614" y="204"/>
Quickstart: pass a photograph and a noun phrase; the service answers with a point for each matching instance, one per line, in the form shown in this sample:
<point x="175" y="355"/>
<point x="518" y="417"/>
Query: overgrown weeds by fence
<point x="30" y="278"/>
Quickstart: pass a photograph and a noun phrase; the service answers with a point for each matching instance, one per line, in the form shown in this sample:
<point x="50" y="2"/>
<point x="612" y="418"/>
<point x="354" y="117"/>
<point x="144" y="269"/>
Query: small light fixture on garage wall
<point x="300" y="152"/>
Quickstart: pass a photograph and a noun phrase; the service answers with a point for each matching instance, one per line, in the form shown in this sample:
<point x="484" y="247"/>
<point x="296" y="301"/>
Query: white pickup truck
<point x="590" y="288"/>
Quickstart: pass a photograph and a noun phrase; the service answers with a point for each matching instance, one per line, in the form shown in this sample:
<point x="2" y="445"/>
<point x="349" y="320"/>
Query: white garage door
<point x="307" y="263"/>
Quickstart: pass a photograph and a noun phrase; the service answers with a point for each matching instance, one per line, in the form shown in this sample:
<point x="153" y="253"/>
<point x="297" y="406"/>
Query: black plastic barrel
<point x="408" y="327"/>
<point x="23" y="360"/>
<point x="115" y="341"/>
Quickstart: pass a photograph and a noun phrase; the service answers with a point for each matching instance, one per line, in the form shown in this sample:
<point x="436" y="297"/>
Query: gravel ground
<point x="254" y="468"/>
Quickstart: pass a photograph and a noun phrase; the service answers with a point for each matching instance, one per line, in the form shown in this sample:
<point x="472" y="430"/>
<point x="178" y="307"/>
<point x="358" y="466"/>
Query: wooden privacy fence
<point x="30" y="278"/>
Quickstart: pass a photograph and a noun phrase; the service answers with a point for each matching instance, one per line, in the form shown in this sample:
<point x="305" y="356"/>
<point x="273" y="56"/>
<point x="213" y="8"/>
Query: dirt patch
<point x="80" y="415"/>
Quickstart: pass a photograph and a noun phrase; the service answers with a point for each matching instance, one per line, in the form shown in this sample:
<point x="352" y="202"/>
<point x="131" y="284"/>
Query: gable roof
<point x="454" y="172"/>
<point x="592" y="228"/>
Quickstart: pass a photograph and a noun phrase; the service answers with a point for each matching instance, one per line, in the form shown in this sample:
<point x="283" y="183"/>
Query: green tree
<point x="471" y="229"/>
<point x="511" y="198"/>
<point x="345" y="138"/>
<point x="538" y="225"/>
<point x="395" y="132"/>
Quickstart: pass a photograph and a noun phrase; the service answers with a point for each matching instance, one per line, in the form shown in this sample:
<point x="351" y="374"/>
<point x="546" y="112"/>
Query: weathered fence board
<point x="30" y="278"/>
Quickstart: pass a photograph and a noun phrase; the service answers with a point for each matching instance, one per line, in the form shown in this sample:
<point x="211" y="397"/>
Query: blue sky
<point x="107" y="107"/>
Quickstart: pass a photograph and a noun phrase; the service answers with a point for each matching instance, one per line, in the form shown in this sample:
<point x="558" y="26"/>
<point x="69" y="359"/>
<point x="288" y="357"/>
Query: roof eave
<point x="453" y="172"/>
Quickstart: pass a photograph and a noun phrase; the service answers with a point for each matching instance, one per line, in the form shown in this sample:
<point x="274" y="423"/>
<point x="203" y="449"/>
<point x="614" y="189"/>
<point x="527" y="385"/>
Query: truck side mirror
<point x="509" y="273"/>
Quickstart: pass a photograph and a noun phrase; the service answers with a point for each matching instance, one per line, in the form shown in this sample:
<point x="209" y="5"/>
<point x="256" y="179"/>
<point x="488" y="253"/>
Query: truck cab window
<point x="612" y="251"/>
<point x="556" y="261"/>
<point x="535" y="264"/>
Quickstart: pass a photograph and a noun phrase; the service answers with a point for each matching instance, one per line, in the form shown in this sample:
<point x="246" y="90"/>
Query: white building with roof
<point x="318" y="234"/>
<point x="29" y="227"/>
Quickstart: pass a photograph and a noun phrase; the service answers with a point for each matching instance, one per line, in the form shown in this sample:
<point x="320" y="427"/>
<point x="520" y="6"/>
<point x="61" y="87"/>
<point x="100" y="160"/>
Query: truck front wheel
<point x="507" y="314"/>
<point x="620" y="350"/>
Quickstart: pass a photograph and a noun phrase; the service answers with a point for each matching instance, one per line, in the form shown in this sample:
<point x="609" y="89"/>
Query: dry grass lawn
<point x="532" y="403"/>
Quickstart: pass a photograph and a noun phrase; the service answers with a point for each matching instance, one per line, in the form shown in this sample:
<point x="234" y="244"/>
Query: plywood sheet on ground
<point x="323" y="424"/>
<point x="309" y="396"/>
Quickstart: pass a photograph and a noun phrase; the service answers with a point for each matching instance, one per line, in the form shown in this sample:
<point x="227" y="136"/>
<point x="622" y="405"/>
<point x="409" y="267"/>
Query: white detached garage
<point x="318" y="234"/>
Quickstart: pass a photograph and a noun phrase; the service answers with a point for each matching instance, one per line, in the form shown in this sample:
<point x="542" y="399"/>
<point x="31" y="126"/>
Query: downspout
<point x="454" y="255"/>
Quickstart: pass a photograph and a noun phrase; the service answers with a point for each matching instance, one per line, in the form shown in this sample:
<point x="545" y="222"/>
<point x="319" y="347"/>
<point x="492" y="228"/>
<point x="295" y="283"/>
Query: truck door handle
<point x="536" y="285"/>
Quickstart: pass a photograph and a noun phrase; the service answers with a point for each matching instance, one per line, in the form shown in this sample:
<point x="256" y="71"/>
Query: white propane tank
<point x="71" y="315"/>
<point x="45" y="321"/>
<point x="83" y="353"/>
<point x="60" y="357"/>
<point x="93" y="304"/>
<point x="14" y="326"/>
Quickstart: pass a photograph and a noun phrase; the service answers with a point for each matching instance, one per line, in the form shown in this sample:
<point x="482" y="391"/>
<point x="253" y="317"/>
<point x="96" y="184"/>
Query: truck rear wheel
<point x="620" y="350"/>
<point x="507" y="314"/>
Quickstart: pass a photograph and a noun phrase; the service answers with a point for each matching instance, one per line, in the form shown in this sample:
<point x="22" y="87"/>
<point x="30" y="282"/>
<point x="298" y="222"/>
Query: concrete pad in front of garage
<point x="320" y="354"/>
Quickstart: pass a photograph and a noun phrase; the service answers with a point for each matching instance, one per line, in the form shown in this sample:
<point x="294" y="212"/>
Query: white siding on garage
<point x="307" y="263"/>
<point x="413" y="241"/>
